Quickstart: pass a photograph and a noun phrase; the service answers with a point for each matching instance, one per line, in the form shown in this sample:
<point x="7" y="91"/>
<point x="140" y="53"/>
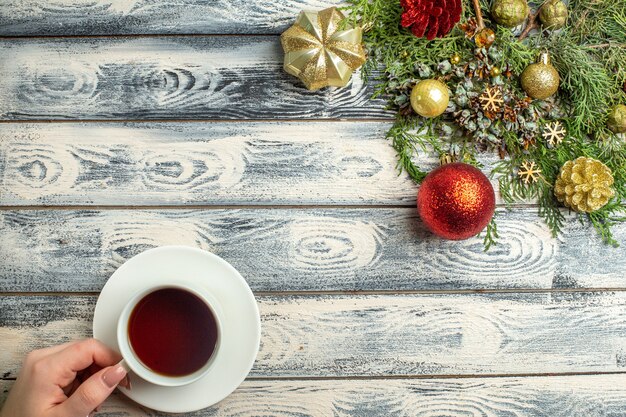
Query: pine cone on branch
<point x="431" y="18"/>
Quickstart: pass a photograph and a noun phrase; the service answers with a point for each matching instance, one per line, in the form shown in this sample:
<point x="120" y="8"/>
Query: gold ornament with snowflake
<point x="554" y="133"/>
<point x="491" y="100"/>
<point x="528" y="172"/>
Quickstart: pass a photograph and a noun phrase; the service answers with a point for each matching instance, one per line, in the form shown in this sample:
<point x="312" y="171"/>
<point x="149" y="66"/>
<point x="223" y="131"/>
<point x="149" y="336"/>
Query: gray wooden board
<point x="233" y="77"/>
<point x="184" y="163"/>
<point x="112" y="17"/>
<point x="305" y="249"/>
<point x="559" y="396"/>
<point x="383" y="335"/>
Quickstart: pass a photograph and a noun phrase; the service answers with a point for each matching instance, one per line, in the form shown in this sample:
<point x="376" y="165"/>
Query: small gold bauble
<point x="509" y="13"/>
<point x="584" y="185"/>
<point x="485" y="38"/>
<point x="429" y="98"/>
<point x="553" y="14"/>
<point x="540" y="80"/>
<point x="617" y="119"/>
<point x="495" y="71"/>
<point x="455" y="59"/>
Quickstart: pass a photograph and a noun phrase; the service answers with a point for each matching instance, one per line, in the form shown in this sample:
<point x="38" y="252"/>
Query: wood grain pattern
<point x="237" y="77"/>
<point x="304" y="249"/>
<point x="201" y="163"/>
<point x="562" y="396"/>
<point x="113" y="17"/>
<point x="381" y="335"/>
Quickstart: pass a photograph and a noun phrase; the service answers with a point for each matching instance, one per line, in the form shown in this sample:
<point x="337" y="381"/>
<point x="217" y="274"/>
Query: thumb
<point x="91" y="393"/>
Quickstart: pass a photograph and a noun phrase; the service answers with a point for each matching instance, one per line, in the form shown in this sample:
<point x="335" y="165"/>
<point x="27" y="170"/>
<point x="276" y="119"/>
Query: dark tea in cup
<point x="173" y="332"/>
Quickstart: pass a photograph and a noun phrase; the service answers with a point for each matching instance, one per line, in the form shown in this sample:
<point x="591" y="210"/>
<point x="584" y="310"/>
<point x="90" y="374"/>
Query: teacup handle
<point x="124" y="365"/>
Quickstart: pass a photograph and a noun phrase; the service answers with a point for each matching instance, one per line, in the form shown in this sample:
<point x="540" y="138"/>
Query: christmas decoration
<point x="540" y="80"/>
<point x="485" y="38"/>
<point x="429" y="98"/>
<point x="319" y="53"/>
<point x="554" y="133"/>
<point x="446" y="158"/>
<point x="509" y="13"/>
<point x="430" y="18"/>
<point x="553" y="14"/>
<point x="528" y="172"/>
<point x="617" y="119"/>
<point x="584" y="185"/>
<point x="456" y="201"/>
<point x="522" y="128"/>
<point x="491" y="100"/>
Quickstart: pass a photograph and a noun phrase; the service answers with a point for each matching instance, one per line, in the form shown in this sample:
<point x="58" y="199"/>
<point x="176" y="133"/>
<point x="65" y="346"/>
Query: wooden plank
<point x="201" y="163"/>
<point x="114" y="17"/>
<point x="233" y="77"/>
<point x="383" y="335"/>
<point x="304" y="250"/>
<point x="562" y="396"/>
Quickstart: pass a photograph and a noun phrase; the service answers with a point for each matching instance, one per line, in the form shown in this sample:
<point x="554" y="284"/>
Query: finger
<point x="91" y="393"/>
<point x="79" y="356"/>
<point x="43" y="352"/>
<point x="69" y="390"/>
<point x="54" y="349"/>
<point x="89" y="371"/>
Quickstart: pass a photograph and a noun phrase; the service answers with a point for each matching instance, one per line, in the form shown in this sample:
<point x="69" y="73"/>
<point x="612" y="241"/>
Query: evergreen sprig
<point x="590" y="56"/>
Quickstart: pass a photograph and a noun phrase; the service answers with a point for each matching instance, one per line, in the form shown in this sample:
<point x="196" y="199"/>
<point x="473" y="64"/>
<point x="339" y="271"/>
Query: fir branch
<point x="405" y="143"/>
<point x="606" y="45"/>
<point x="515" y="54"/>
<point x="532" y="22"/>
<point x="491" y="234"/>
<point x="550" y="211"/>
<point x="604" y="219"/>
<point x="480" y="23"/>
<point x="589" y="54"/>
<point x="584" y="80"/>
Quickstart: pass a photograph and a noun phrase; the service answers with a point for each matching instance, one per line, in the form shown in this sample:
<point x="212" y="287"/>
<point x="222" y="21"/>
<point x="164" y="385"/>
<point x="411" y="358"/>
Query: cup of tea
<point x="170" y="335"/>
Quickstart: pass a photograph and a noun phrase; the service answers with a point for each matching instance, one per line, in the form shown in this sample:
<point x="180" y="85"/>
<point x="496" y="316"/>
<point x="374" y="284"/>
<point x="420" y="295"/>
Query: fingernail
<point x="113" y="375"/>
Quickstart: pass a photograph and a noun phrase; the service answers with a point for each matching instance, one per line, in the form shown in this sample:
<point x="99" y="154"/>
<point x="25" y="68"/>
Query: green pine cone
<point x="617" y="119"/>
<point x="509" y="13"/>
<point x="553" y="14"/>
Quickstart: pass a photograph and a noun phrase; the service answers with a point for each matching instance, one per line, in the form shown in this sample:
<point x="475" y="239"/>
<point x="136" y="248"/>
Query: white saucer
<point x="241" y="327"/>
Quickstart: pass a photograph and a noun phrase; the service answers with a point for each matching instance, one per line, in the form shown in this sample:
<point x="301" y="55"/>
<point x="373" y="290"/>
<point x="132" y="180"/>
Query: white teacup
<point x="136" y="365"/>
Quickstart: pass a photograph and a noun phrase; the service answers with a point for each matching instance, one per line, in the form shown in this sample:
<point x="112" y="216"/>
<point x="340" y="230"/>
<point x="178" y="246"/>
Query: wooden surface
<point x="130" y="124"/>
<point x="114" y="17"/>
<point x="164" y="78"/>
<point x="322" y="336"/>
<point x="312" y="249"/>
<point x="560" y="396"/>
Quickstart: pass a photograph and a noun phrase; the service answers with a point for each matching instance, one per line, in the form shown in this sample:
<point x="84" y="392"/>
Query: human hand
<point x="68" y="380"/>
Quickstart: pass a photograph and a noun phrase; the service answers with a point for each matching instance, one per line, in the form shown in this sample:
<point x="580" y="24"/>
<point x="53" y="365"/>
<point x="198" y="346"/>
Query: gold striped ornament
<point x="321" y="50"/>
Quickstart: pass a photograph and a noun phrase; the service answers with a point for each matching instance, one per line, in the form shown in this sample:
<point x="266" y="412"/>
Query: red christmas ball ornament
<point x="456" y="201"/>
<point x="431" y="18"/>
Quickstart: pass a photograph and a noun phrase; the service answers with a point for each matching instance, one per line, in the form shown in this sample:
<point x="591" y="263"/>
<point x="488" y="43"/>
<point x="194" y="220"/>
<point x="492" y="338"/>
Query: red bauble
<point x="438" y="17"/>
<point x="456" y="201"/>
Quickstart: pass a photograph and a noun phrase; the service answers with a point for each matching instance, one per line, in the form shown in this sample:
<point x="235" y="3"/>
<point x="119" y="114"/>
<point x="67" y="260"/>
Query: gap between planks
<point x="240" y="121"/>
<point x="415" y="377"/>
<point x="237" y="207"/>
<point x="143" y="35"/>
<point x="340" y="293"/>
<point x="209" y="207"/>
